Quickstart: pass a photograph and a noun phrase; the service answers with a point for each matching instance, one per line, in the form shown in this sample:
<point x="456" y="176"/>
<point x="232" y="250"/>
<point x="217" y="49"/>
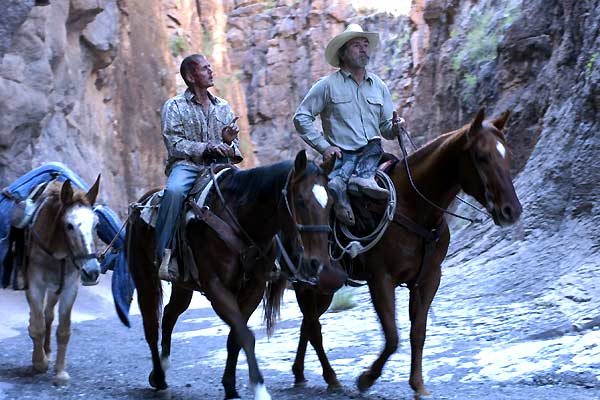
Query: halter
<point x="33" y="235"/>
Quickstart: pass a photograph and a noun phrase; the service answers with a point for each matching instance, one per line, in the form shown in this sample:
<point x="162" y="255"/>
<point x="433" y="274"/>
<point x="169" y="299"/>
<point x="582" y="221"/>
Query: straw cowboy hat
<point x="351" y="32"/>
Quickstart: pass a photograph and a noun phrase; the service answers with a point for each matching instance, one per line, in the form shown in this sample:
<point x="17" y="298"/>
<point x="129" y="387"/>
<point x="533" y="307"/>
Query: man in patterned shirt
<point x="356" y="111"/>
<point x="198" y="129"/>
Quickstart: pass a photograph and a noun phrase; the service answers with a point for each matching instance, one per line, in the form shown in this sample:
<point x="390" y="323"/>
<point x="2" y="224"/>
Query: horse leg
<point x="51" y="300"/>
<point x="313" y="305"/>
<point x="383" y="296"/>
<point x="149" y="294"/>
<point x="63" y="331"/>
<point x="419" y="302"/>
<point x="35" y="297"/>
<point x="225" y="305"/>
<point x="178" y="303"/>
<point x="248" y="299"/>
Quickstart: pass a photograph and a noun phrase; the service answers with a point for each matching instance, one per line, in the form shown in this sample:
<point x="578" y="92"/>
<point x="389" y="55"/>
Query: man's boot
<point x="341" y="206"/>
<point x="368" y="187"/>
<point x="169" y="269"/>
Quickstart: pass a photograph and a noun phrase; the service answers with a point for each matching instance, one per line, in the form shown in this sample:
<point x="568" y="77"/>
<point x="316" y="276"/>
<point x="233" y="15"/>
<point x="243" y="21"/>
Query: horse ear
<point x="66" y="192"/>
<point x="327" y="166"/>
<point x="500" y="122"/>
<point x="93" y="192"/>
<point x="478" y="121"/>
<point x="300" y="163"/>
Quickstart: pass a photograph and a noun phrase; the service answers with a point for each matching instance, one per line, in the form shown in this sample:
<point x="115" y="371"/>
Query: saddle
<point x="198" y="196"/>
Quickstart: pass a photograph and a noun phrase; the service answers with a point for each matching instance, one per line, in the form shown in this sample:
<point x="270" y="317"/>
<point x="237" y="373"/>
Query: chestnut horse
<point x="288" y="198"/>
<point x="60" y="253"/>
<point x="475" y="159"/>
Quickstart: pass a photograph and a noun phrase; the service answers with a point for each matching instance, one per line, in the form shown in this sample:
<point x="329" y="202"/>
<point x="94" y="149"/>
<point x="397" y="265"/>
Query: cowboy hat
<point x="351" y="32"/>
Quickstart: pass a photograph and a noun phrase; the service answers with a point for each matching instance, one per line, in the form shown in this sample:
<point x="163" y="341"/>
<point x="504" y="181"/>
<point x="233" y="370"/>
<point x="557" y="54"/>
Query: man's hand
<point x="331" y="151"/>
<point x="398" y="124"/>
<point x="219" y="150"/>
<point x="230" y="132"/>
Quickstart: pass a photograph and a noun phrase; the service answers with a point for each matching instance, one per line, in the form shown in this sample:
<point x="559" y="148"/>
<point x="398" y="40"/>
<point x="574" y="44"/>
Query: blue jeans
<point x="180" y="182"/>
<point x="362" y="162"/>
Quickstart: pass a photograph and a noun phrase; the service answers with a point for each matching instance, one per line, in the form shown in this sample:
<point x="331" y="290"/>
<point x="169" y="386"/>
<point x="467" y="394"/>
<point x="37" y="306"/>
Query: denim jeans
<point x="180" y="182"/>
<point x="362" y="162"/>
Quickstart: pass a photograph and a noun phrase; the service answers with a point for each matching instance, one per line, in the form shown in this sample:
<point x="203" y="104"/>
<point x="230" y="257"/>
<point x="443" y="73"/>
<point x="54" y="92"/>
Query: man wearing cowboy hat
<point x="356" y="111"/>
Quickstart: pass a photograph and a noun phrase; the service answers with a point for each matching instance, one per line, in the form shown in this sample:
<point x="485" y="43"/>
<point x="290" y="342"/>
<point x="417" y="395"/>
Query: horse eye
<point x="70" y="226"/>
<point x="482" y="158"/>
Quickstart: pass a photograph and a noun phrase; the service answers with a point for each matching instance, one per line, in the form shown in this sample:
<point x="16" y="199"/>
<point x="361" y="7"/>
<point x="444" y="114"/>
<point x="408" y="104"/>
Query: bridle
<point x="298" y="228"/>
<point x="487" y="193"/>
<point x="431" y="203"/>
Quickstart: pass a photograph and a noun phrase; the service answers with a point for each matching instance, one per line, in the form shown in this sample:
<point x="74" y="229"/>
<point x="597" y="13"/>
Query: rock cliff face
<point x="81" y="84"/>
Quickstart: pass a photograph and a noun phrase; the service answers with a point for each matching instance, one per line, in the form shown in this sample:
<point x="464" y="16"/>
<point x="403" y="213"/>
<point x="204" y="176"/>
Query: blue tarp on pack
<point x="108" y="226"/>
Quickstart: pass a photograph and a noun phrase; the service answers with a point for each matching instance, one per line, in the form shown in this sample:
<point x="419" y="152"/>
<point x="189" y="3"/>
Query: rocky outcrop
<point x="75" y="91"/>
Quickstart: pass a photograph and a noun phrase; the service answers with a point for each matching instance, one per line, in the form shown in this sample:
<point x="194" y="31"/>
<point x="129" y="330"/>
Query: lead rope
<point x="356" y="247"/>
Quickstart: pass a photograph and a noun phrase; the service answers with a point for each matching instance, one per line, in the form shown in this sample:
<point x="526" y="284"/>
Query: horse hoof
<point x="41" y="366"/>
<point x="423" y="394"/>
<point x="156" y="385"/>
<point x="300" y="383"/>
<point x="335" y="387"/>
<point x="62" y="378"/>
<point x="364" y="382"/>
<point x="261" y="393"/>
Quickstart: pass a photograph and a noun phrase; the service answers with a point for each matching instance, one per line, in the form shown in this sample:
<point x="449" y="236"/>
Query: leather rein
<point x="237" y="238"/>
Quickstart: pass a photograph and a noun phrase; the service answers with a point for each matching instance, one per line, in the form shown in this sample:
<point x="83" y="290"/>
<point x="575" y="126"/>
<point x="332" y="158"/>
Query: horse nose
<point x="511" y="213"/>
<point x="90" y="272"/>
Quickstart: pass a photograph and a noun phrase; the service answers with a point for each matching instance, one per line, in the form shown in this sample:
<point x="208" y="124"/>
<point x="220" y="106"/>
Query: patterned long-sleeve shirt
<point x="187" y="130"/>
<point x="351" y="113"/>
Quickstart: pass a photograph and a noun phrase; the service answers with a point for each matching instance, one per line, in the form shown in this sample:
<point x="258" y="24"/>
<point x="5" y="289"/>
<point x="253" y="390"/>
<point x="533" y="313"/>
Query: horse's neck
<point x="435" y="175"/>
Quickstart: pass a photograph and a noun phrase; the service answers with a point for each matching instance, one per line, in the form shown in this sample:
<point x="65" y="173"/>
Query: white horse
<point x="60" y="252"/>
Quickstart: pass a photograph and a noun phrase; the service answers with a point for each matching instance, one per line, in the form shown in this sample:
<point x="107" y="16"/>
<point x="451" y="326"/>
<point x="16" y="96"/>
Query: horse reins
<point x="412" y="184"/>
<point x="299" y="227"/>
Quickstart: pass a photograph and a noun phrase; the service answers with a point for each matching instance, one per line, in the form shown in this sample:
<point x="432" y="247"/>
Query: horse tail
<point x="272" y="302"/>
<point x="140" y="261"/>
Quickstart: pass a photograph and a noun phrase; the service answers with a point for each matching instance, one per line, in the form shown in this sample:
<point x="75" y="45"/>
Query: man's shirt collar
<point x="190" y="96"/>
<point x="348" y="75"/>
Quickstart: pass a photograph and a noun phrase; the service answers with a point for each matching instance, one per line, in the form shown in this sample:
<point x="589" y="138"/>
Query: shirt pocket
<point x="342" y="106"/>
<point x="375" y="105"/>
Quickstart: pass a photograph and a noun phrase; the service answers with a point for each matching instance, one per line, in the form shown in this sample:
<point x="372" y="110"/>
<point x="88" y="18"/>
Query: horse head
<point x="79" y="224"/>
<point x="485" y="169"/>
<point x="310" y="208"/>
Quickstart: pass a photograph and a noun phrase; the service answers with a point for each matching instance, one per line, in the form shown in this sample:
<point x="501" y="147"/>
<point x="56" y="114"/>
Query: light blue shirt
<point x="352" y="114"/>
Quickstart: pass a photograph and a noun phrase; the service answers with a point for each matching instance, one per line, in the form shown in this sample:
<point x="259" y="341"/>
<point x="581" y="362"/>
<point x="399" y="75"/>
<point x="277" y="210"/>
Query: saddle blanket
<point x="149" y="209"/>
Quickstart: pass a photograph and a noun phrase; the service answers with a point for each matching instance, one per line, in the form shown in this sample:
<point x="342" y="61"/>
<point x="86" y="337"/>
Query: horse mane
<point x="259" y="184"/>
<point x="437" y="144"/>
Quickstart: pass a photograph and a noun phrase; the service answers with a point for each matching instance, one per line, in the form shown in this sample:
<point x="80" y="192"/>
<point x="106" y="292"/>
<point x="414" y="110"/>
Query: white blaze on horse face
<point x="501" y="149"/>
<point x="321" y="195"/>
<point x="83" y="221"/>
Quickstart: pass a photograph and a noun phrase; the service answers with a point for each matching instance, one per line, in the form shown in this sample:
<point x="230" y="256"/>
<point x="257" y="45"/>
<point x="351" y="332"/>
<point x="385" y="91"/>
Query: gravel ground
<point x="466" y="357"/>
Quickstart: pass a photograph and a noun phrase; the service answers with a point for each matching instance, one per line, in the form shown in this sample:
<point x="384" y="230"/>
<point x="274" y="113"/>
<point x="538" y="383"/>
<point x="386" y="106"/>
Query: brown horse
<point x="475" y="159"/>
<point x="288" y="198"/>
<point x="60" y="252"/>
